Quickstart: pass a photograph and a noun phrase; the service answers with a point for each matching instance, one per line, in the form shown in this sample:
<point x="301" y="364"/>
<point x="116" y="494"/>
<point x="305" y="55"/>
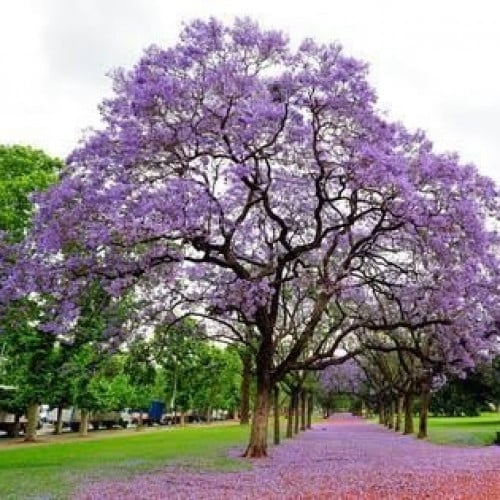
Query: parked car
<point x="8" y="421"/>
<point x="97" y="419"/>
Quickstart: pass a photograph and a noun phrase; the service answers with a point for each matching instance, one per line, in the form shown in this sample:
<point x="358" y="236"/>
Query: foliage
<point x="29" y="358"/>
<point x="218" y="379"/>
<point x="23" y="170"/>
<point x="470" y="395"/>
<point x="198" y="375"/>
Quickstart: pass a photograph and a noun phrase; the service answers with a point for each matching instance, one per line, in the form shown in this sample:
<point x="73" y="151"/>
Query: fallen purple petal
<point x="342" y="458"/>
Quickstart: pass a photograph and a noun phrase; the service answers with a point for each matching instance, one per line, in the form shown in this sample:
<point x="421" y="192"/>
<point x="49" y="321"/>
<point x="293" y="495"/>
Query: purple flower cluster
<point x="232" y="166"/>
<point x="343" y="458"/>
<point x="347" y="377"/>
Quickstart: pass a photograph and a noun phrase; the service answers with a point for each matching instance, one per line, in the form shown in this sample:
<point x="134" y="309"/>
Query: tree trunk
<point x="32" y="422"/>
<point x="310" y="406"/>
<point x="84" y="423"/>
<point x="390" y="420"/>
<point x="140" y="422"/>
<point x="296" y="413"/>
<point x="289" y="422"/>
<point x="17" y="425"/>
<point x="424" y="411"/>
<point x="387" y="414"/>
<point x="303" y="410"/>
<point x="408" y="406"/>
<point x="209" y="415"/>
<point x="183" y="418"/>
<point x="257" y="446"/>
<point x="381" y="413"/>
<point x="245" y="388"/>
<point x="397" y="426"/>
<point x="59" y="420"/>
<point x="276" y="405"/>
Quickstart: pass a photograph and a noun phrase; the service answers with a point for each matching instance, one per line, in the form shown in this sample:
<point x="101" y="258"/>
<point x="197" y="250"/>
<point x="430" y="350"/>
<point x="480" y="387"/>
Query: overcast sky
<point x="435" y="64"/>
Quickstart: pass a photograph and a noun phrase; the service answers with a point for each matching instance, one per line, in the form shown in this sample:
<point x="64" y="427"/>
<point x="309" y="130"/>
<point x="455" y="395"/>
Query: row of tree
<point x="397" y="387"/>
<point x="188" y="374"/>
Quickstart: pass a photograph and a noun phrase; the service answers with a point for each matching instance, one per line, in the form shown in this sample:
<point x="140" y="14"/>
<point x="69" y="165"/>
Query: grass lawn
<point x="51" y="470"/>
<point x="464" y="430"/>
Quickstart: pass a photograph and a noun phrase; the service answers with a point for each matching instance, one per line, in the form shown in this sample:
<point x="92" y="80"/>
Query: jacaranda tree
<point x="233" y="170"/>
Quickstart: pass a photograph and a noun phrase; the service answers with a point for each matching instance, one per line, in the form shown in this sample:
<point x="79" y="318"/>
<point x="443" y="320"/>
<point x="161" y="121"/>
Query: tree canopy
<point x="23" y="170"/>
<point x="242" y="180"/>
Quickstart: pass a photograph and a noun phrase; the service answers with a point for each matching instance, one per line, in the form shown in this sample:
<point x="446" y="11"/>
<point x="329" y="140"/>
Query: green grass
<point x="462" y="431"/>
<point x="52" y="470"/>
<point x="465" y="431"/>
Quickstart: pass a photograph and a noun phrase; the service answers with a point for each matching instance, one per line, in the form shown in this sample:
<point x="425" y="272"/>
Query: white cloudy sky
<point x="435" y="63"/>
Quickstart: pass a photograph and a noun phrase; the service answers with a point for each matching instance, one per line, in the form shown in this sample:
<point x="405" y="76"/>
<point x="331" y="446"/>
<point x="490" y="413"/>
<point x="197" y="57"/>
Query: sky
<point x="434" y="63"/>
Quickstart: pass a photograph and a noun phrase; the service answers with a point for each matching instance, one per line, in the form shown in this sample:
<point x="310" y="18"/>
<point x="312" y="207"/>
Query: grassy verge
<point x="466" y="431"/>
<point x="52" y="470"/>
<point x="462" y="431"/>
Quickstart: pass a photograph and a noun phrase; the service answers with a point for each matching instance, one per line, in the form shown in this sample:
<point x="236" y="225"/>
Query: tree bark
<point x="59" y="420"/>
<point x="17" y="425"/>
<point x="289" y="422"/>
<point x="310" y="406"/>
<point x="390" y="420"/>
<point x="381" y="413"/>
<point x="276" y="405"/>
<point x="387" y="414"/>
<point x="140" y="422"/>
<point x="84" y="423"/>
<point x="245" y="388"/>
<point x="408" y="407"/>
<point x="424" y="411"/>
<point x="296" y="412"/>
<point x="303" y="410"/>
<point x="182" y="421"/>
<point x="397" y="426"/>
<point x="257" y="446"/>
<point x="32" y="422"/>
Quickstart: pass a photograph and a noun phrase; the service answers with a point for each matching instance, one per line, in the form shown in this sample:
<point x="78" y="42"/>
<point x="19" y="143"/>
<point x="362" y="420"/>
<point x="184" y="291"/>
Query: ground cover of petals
<point x="342" y="458"/>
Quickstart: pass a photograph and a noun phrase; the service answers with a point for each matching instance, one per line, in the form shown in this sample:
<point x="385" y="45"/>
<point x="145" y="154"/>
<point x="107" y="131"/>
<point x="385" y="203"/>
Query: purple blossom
<point x="343" y="458"/>
<point x="250" y="180"/>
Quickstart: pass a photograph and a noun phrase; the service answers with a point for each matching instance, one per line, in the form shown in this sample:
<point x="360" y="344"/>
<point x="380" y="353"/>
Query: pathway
<point x="342" y="458"/>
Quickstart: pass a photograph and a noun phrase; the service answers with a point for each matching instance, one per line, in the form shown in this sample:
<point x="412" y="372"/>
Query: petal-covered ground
<point x="342" y="458"/>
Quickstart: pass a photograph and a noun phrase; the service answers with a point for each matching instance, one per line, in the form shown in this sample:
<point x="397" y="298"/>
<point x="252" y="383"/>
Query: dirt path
<point x="344" y="458"/>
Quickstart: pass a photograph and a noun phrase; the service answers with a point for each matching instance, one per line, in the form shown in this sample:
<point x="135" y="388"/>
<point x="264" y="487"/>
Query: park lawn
<point x="465" y="431"/>
<point x="52" y="470"/>
<point x="461" y="431"/>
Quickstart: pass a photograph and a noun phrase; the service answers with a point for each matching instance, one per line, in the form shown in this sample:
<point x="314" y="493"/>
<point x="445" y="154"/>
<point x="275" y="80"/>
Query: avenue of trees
<point x="255" y="189"/>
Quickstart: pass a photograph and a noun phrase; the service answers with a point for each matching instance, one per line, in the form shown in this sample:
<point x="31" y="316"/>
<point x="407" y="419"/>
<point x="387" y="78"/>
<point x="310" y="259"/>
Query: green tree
<point x="87" y="357"/>
<point x="29" y="358"/>
<point x="217" y="378"/>
<point x="175" y="349"/>
<point x="143" y="376"/>
<point x="23" y="170"/>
